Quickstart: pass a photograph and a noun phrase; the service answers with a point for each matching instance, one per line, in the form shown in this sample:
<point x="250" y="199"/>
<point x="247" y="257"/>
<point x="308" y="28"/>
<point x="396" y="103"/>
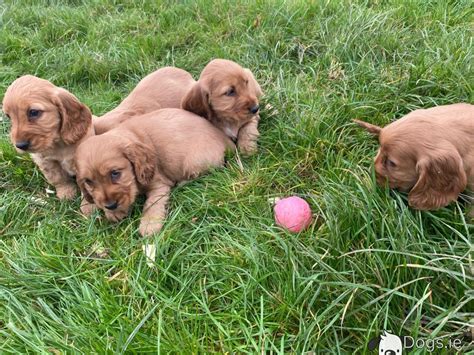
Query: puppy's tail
<point x="372" y="129"/>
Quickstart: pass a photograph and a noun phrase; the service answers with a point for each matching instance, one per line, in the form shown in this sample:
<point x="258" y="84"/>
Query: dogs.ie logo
<point x="391" y="344"/>
<point x="388" y="344"/>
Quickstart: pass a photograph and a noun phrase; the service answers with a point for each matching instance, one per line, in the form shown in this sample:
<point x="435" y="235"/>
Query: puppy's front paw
<point x="115" y="216"/>
<point x="66" y="192"/>
<point x="87" y="208"/>
<point x="248" y="147"/>
<point x="150" y="226"/>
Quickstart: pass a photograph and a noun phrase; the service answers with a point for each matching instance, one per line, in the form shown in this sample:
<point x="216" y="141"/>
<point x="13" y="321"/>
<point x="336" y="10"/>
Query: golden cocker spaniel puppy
<point x="48" y="122"/>
<point x="164" y="88"/>
<point x="428" y="153"/>
<point x="228" y="96"/>
<point x="166" y="147"/>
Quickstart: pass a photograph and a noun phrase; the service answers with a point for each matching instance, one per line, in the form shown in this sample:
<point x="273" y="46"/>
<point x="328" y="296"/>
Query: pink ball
<point x="293" y="213"/>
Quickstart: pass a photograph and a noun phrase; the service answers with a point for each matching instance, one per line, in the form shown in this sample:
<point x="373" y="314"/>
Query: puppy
<point x="164" y="88"/>
<point x="227" y="95"/>
<point x="48" y="122"/>
<point x="428" y="153"/>
<point x="167" y="147"/>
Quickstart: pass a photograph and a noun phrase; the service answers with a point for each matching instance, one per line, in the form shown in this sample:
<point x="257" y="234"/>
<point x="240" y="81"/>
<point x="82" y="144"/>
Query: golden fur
<point x="227" y="95"/>
<point x="163" y="88"/>
<point x="48" y="122"/>
<point x="167" y="147"/>
<point x="64" y="121"/>
<point x="428" y="153"/>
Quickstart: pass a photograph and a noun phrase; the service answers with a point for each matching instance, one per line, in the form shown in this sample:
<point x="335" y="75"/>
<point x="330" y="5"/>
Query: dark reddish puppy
<point x="428" y="153"/>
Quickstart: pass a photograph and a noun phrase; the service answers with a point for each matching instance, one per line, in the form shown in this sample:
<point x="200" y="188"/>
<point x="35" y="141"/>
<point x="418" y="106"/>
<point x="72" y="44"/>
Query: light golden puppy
<point x="48" y="122"/>
<point x="163" y="88"/>
<point x="228" y="96"/>
<point x="428" y="153"/>
<point x="167" y="147"/>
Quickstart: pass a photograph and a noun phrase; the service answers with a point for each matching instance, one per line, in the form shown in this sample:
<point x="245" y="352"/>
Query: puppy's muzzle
<point x="111" y="205"/>
<point x="254" y="109"/>
<point x="23" y="145"/>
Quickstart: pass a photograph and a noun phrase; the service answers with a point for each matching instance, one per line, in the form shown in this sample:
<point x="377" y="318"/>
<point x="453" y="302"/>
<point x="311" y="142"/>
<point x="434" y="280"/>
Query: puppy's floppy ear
<point x="441" y="178"/>
<point x="253" y="82"/>
<point x="372" y="129"/>
<point x="143" y="158"/>
<point x="84" y="192"/>
<point x="76" y="117"/>
<point x="197" y="101"/>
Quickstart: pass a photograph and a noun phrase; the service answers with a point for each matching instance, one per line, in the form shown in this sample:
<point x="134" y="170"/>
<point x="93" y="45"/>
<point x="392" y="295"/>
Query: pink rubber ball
<point x="293" y="213"/>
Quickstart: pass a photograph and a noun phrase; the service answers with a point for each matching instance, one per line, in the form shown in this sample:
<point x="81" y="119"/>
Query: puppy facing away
<point x="164" y="88"/>
<point x="228" y="96"/>
<point x="428" y="153"/>
<point x="167" y="147"/>
<point x="48" y="122"/>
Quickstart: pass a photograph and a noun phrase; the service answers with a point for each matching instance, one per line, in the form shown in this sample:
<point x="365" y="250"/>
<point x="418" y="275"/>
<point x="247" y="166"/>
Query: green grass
<point x="226" y="279"/>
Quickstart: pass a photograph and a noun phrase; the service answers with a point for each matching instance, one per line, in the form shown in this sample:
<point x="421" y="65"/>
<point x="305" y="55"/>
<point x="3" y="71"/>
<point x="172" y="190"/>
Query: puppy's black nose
<point x="112" y="205"/>
<point x="23" y="145"/>
<point x="254" y="109"/>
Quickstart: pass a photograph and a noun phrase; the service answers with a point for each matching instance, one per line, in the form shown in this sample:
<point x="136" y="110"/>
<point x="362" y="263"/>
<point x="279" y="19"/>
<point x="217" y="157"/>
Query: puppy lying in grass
<point x="49" y="122"/>
<point x="164" y="88"/>
<point x="227" y="95"/>
<point x="428" y="153"/>
<point x="167" y="147"/>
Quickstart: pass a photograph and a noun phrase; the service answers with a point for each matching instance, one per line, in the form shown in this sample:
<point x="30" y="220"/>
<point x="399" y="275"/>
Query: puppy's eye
<point x="115" y="175"/>
<point x="390" y="163"/>
<point x="34" y="114"/>
<point x="230" y="92"/>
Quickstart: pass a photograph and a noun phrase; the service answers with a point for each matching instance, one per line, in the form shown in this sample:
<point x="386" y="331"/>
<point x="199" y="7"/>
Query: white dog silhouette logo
<point x="389" y="344"/>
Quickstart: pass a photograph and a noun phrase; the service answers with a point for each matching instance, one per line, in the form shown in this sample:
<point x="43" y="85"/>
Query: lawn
<point x="226" y="279"/>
